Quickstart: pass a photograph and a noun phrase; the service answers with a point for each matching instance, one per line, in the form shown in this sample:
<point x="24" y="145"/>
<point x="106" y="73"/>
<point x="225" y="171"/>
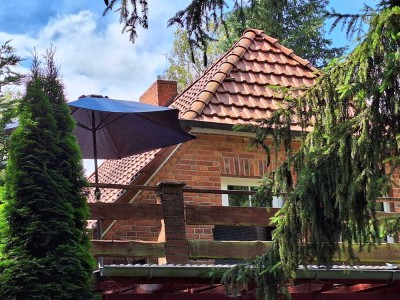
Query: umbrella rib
<point x="113" y="145"/>
<point x="106" y="124"/>
<point x="83" y="126"/>
<point x="99" y="126"/>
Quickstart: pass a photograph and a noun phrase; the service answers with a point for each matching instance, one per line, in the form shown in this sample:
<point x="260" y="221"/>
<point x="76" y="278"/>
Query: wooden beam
<point x="381" y="214"/>
<point x="217" y="192"/>
<point x="125" y="211"/>
<point x="249" y="249"/>
<point x="226" y="249"/>
<point x="156" y="188"/>
<point x="228" y="215"/>
<point x="124" y="186"/>
<point x="384" y="253"/>
<point x="127" y="248"/>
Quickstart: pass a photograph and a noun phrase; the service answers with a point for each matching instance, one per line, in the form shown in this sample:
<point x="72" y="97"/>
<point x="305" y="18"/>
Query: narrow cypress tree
<point x="70" y="158"/>
<point x="46" y="251"/>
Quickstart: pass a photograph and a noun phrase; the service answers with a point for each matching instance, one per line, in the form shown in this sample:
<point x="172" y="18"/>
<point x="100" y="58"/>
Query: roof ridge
<point x="232" y="58"/>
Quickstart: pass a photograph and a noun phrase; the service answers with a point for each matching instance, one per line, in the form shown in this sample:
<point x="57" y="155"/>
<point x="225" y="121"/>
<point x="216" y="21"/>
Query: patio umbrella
<point x="113" y="129"/>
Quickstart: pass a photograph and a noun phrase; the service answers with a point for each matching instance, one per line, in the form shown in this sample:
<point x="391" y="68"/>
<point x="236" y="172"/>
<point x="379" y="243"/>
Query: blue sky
<point x="93" y="54"/>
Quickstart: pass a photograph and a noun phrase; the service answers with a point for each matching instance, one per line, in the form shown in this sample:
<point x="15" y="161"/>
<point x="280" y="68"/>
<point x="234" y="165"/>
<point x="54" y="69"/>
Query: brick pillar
<point x="176" y="246"/>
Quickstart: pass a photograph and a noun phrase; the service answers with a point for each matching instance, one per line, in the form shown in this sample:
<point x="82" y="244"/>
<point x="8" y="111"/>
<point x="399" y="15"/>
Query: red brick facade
<point x="201" y="164"/>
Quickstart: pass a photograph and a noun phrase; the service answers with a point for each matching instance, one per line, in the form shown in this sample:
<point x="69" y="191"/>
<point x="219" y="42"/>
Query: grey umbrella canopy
<point x="113" y="129"/>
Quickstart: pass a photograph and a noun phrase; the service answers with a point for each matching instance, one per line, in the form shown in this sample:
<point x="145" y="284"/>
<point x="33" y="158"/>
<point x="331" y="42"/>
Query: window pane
<point x="238" y="200"/>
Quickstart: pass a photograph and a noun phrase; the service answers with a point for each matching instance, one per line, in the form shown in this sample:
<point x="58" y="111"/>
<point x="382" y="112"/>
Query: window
<point x="242" y="233"/>
<point x="243" y="184"/>
<point x="386" y="207"/>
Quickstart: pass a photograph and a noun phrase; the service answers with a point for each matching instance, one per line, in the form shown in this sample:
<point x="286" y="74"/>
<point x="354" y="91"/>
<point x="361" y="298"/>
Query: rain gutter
<point x="194" y="271"/>
<point x="207" y="127"/>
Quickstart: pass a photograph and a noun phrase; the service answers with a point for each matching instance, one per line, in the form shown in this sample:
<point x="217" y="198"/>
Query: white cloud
<point x="97" y="60"/>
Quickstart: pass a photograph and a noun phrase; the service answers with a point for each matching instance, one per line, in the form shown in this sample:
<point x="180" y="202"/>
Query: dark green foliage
<point x="297" y="24"/>
<point x="8" y="60"/>
<point x="266" y="271"/>
<point x="200" y="18"/>
<point x="45" y="247"/>
<point x="132" y="13"/>
<point x="70" y="158"/>
<point x="346" y="160"/>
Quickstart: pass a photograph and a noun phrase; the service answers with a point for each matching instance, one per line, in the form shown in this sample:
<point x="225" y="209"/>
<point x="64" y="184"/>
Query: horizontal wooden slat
<point x="124" y="186"/>
<point x="196" y="215"/>
<point x="226" y="249"/>
<point x="381" y="214"/>
<point x="217" y="192"/>
<point x="125" y="211"/>
<point x="384" y="253"/>
<point x="127" y="248"/>
<point x="228" y="215"/>
<point x="158" y="188"/>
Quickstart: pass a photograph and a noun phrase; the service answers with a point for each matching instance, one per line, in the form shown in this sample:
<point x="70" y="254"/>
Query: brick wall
<point x="160" y="93"/>
<point x="395" y="192"/>
<point x="200" y="163"/>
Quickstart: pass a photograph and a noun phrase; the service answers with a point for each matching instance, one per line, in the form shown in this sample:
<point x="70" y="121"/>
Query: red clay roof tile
<point x="121" y="171"/>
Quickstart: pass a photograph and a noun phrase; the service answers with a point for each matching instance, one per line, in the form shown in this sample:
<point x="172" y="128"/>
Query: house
<point x="235" y="90"/>
<point x="232" y="91"/>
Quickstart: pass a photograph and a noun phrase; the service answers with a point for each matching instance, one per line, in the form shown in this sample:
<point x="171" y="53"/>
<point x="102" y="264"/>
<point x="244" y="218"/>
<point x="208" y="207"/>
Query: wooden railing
<point x="176" y="248"/>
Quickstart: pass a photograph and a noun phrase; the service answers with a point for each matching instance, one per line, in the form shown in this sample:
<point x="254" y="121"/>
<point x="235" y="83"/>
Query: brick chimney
<point x="160" y="93"/>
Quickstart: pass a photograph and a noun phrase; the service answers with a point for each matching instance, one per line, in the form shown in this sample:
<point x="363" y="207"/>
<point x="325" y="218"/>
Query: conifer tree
<point x="344" y="163"/>
<point x="45" y="253"/>
<point x="297" y="24"/>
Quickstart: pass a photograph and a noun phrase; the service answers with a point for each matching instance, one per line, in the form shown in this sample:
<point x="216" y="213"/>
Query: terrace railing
<point x="176" y="215"/>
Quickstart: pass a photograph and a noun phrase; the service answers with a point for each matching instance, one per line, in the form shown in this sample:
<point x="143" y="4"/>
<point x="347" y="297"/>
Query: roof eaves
<point x="232" y="58"/>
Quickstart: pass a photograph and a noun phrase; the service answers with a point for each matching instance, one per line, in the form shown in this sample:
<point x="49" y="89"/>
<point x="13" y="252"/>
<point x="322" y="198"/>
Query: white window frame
<point x="387" y="208"/>
<point x="277" y="202"/>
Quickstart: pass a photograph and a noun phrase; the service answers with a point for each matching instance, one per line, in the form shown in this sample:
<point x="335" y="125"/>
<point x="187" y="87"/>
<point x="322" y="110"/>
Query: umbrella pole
<point x="96" y="179"/>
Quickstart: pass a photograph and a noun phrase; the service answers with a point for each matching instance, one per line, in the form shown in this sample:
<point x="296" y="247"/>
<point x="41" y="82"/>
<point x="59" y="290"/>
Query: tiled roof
<point x="121" y="171"/>
<point x="236" y="89"/>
